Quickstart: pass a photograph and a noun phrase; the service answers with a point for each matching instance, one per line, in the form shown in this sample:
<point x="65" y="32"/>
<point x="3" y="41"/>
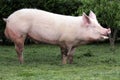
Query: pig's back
<point x="39" y="15"/>
<point x="29" y="14"/>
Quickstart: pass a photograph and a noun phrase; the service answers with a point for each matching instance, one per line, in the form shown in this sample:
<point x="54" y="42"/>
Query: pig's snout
<point x="109" y="31"/>
<point x="106" y="32"/>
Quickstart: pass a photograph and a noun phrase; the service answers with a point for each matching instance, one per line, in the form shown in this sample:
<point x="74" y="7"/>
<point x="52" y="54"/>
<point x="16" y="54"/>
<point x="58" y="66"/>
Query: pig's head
<point x="93" y="30"/>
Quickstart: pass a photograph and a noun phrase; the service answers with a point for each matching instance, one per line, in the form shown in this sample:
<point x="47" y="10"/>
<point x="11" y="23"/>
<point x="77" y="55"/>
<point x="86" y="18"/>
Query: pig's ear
<point x="86" y="19"/>
<point x="92" y="15"/>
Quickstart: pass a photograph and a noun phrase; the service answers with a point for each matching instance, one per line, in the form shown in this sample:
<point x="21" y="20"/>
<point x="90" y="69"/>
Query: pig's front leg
<point x="67" y="54"/>
<point x="64" y="52"/>
<point x="70" y="55"/>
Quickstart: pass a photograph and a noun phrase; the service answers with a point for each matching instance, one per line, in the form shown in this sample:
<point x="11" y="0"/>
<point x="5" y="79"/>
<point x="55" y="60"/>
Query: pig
<point x="67" y="32"/>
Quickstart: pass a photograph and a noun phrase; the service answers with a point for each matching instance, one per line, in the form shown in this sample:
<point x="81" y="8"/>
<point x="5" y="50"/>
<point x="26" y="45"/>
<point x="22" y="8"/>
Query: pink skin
<point x="107" y="31"/>
<point x="65" y="31"/>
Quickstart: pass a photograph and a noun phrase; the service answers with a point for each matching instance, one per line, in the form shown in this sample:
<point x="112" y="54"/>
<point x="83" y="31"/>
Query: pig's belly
<point x="45" y="36"/>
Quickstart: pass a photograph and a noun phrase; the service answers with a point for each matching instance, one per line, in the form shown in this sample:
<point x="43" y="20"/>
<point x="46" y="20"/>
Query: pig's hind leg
<point x="18" y="41"/>
<point x="19" y="46"/>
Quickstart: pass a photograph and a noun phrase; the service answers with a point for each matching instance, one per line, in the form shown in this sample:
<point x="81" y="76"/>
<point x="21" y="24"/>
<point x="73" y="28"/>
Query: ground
<point x="43" y="62"/>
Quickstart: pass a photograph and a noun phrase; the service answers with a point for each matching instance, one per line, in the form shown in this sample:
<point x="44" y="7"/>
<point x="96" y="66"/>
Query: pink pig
<point x="65" y="31"/>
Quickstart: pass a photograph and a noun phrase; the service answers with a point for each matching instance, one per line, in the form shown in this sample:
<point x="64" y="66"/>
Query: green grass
<point x="43" y="62"/>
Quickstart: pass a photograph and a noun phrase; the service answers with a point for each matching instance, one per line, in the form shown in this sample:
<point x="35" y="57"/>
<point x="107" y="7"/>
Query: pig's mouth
<point x="104" y="37"/>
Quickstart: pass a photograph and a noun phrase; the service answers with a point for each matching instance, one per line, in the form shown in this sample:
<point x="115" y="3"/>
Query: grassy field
<point x="43" y="62"/>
